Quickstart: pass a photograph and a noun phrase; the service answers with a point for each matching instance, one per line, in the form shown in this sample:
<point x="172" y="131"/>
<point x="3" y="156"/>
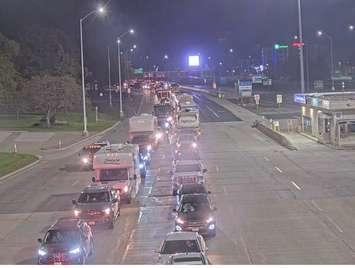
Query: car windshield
<point x="62" y="236"/>
<point x="94" y="197"/>
<point x="192" y="203"/>
<point x="180" y="246"/>
<point x="140" y="139"/>
<point x="188" y="118"/>
<point x="188" y="168"/>
<point x="114" y="175"/>
<point x="190" y="189"/>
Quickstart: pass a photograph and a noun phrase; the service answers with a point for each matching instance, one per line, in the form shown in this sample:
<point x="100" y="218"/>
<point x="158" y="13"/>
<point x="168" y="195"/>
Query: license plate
<point x="194" y="229"/>
<point x="91" y="223"/>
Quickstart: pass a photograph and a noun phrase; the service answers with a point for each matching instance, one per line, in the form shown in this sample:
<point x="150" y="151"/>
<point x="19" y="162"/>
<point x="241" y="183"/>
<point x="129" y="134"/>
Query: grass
<point x="27" y="122"/>
<point x="10" y="162"/>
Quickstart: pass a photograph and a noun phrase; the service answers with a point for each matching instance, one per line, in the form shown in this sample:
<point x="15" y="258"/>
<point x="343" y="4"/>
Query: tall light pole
<point x="300" y="33"/>
<point x="100" y="10"/>
<point x="320" y="34"/>
<point x="109" y="75"/>
<point x="131" y="31"/>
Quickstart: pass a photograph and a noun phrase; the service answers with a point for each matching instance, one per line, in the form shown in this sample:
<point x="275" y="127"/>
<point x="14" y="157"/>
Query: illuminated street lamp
<point x="321" y="34"/>
<point x="131" y="31"/>
<point x="231" y="50"/>
<point x="100" y="11"/>
<point x="166" y="57"/>
<point x="351" y="27"/>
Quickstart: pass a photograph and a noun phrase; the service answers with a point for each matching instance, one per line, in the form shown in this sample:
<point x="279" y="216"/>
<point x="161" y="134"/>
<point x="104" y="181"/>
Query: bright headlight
<point x="76" y="212"/>
<point x="179" y="221"/>
<point x="194" y="145"/>
<point x="85" y="160"/>
<point x="169" y="119"/>
<point x="75" y="251"/>
<point x="166" y="124"/>
<point x="141" y="166"/>
<point x="178" y="228"/>
<point x="107" y="211"/>
<point x="125" y="189"/>
<point x="158" y="135"/>
<point x="149" y="147"/>
<point x="42" y="252"/>
<point x="210" y="219"/>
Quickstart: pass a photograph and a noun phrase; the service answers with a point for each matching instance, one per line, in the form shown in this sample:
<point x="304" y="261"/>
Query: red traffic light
<point x="297" y="44"/>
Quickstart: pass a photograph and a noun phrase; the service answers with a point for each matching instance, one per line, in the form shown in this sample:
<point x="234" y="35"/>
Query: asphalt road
<point x="274" y="206"/>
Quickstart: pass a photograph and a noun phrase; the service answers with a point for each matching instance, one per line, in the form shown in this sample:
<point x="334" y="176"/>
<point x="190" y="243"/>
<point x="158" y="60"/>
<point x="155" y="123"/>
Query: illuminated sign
<point x="194" y="60"/>
<point x="300" y="98"/>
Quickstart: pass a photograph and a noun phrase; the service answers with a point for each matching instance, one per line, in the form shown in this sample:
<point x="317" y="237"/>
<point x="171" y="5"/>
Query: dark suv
<point x="98" y="204"/>
<point x="68" y="241"/>
<point x="197" y="214"/>
<point x="192" y="188"/>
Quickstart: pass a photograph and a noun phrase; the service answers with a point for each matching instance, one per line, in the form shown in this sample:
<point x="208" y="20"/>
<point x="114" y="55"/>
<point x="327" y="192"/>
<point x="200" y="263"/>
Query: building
<point x="329" y="117"/>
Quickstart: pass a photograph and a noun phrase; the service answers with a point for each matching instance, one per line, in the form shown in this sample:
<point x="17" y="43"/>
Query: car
<point x="189" y="259"/>
<point x="196" y="213"/>
<point x="186" y="139"/>
<point x="193" y="188"/>
<point x="185" y="149"/>
<point x="186" y="172"/>
<point x="181" y="242"/>
<point x="87" y="153"/>
<point x="186" y="155"/>
<point x="98" y="204"/>
<point x="68" y="241"/>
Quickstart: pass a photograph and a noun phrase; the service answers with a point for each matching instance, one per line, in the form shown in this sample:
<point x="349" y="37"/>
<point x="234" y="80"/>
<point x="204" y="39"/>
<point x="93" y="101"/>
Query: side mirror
<point x="209" y="192"/>
<point x="74" y="202"/>
<point x="93" y="179"/>
<point x="39" y="240"/>
<point x="204" y="170"/>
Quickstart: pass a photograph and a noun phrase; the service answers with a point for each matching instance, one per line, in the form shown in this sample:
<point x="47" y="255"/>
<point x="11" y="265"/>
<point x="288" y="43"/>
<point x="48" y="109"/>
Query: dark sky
<point x="177" y="27"/>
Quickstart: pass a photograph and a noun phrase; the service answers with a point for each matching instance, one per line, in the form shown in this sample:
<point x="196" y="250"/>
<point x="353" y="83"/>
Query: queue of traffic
<point x="119" y="170"/>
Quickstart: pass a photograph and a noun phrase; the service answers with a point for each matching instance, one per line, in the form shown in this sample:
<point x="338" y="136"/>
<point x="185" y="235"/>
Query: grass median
<point x="65" y="122"/>
<point x="10" y="162"/>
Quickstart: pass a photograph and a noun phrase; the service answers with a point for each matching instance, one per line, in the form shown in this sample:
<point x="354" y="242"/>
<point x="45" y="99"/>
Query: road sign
<point x="257" y="79"/>
<point x="257" y="99"/>
<point x="278" y="46"/>
<point x="278" y="98"/>
<point x="245" y="88"/>
<point x="138" y="71"/>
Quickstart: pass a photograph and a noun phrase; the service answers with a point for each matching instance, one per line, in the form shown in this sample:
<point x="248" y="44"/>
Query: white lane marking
<point x="266" y="159"/>
<point x="75" y="182"/>
<point x="150" y="190"/>
<point x="335" y="224"/>
<point x="316" y="205"/>
<point x="278" y="169"/>
<point x="140" y="216"/>
<point x="295" y="184"/>
<point x="214" y="113"/>
<point x="128" y="246"/>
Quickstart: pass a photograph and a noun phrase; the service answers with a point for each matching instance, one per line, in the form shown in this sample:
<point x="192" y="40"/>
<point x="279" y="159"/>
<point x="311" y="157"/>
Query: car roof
<point x="95" y="188"/>
<point x="66" y="223"/>
<point x="181" y="236"/>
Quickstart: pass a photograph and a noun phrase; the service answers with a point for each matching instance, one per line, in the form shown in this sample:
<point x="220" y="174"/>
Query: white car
<point x="181" y="242"/>
<point x="189" y="259"/>
<point x="185" y="172"/>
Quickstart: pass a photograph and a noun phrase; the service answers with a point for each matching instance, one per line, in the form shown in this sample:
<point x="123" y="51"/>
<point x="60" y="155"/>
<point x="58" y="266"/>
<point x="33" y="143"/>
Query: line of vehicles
<point x="119" y="170"/>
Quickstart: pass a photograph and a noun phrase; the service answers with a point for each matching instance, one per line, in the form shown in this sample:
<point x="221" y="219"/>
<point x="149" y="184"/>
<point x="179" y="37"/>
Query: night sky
<point x="178" y="27"/>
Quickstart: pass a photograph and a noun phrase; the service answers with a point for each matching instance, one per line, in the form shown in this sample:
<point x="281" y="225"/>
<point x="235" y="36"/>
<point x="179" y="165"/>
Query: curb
<point x="22" y="169"/>
<point x="83" y="140"/>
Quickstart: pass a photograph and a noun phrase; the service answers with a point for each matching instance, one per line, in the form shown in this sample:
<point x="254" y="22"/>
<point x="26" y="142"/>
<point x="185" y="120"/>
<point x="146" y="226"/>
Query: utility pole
<point x="300" y="32"/>
<point x="109" y="75"/>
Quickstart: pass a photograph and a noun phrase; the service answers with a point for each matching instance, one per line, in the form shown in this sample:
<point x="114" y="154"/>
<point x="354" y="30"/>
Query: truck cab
<point x="118" y="166"/>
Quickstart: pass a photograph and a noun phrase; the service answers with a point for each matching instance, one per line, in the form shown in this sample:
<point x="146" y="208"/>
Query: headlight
<point x="178" y="145"/>
<point x="149" y="147"/>
<point x="85" y="160"/>
<point x="42" y="252"/>
<point x="75" y="251"/>
<point x="194" y="145"/>
<point x="125" y="189"/>
<point x="169" y="119"/>
<point x="179" y="221"/>
<point x="178" y="228"/>
<point x="166" y="124"/>
<point x="211" y="226"/>
<point x="158" y="135"/>
<point x="107" y="211"/>
<point x="210" y="219"/>
<point x="76" y="212"/>
<point x="141" y="166"/>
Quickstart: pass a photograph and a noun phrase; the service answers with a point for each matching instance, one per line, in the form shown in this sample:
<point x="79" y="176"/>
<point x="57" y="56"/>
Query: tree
<point x="49" y="94"/>
<point x="10" y="93"/>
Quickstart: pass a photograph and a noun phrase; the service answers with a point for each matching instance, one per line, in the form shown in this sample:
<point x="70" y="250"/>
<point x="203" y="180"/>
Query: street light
<point x="130" y="31"/>
<point x="166" y="57"/>
<point x="231" y="50"/>
<point x="134" y="46"/>
<point x="351" y="27"/>
<point x="320" y="34"/>
<point x="300" y="34"/>
<point x="99" y="10"/>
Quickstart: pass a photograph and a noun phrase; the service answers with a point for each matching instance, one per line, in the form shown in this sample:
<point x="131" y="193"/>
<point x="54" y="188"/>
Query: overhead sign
<point x="138" y="71"/>
<point x="300" y="98"/>
<point x="245" y="88"/>
<point x="267" y="82"/>
<point x="278" y="98"/>
<point x="194" y="60"/>
<point x="257" y="79"/>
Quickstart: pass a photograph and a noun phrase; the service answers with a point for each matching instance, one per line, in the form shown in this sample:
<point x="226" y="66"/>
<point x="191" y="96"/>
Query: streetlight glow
<point x="134" y="46"/>
<point x="118" y="41"/>
<point x="166" y="56"/>
<point x="319" y="33"/>
<point x="231" y="50"/>
<point x="101" y="10"/>
<point x="131" y="31"/>
<point x="351" y="27"/>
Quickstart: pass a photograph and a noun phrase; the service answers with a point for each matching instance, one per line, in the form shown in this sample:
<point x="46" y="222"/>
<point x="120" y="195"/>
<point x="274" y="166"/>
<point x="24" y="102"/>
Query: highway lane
<point x="274" y="206"/>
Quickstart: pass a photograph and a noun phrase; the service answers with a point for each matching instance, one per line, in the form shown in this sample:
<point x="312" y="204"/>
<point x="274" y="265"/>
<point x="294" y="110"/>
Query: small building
<point x="329" y="117"/>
